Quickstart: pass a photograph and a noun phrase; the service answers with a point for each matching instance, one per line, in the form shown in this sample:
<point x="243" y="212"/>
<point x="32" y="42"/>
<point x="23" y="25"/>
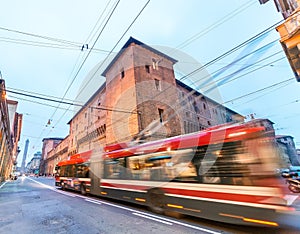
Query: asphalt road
<point x="33" y="205"/>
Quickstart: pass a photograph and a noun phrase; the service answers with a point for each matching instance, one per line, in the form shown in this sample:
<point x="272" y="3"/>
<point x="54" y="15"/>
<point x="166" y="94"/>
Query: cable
<point x="112" y="10"/>
<point x="68" y="46"/>
<point x="85" y="59"/>
<point x="115" y="45"/>
<point x="230" y="51"/>
<point x="214" y="25"/>
<point x="80" y="67"/>
<point x="66" y="103"/>
<point x="259" y="90"/>
<point x="243" y="68"/>
<point x="43" y="37"/>
<point x="237" y="60"/>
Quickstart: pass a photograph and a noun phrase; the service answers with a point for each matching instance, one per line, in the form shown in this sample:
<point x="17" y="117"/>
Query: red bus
<point x="226" y="173"/>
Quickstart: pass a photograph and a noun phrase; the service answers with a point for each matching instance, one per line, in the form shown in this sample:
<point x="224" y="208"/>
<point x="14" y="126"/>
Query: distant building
<point x="34" y="164"/>
<point x="55" y="155"/>
<point x="288" y="149"/>
<point x="48" y="145"/>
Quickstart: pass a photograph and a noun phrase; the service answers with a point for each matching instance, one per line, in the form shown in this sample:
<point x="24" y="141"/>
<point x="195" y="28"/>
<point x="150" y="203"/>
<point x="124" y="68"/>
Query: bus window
<point x="82" y="171"/>
<point x="70" y="171"/>
<point x="222" y="164"/>
<point x="63" y="171"/>
<point x="116" y="169"/>
<point x="163" y="166"/>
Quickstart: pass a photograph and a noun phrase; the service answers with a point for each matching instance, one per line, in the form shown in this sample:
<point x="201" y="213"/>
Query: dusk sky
<point x="43" y="55"/>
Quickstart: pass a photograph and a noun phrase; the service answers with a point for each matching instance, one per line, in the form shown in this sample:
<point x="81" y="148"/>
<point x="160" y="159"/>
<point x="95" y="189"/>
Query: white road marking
<point x="93" y="201"/>
<point x="155" y="219"/>
<point x="2" y="185"/>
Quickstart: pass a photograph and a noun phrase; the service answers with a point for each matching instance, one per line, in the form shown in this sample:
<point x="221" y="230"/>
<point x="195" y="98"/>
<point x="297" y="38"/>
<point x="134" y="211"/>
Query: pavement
<point x="18" y="206"/>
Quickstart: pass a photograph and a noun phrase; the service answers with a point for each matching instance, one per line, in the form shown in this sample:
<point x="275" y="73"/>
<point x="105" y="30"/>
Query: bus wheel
<point x="156" y="200"/>
<point x="63" y="185"/>
<point x="83" y="189"/>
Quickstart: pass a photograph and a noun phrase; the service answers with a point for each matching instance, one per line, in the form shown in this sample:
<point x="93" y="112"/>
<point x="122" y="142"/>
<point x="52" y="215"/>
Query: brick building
<point x="141" y="100"/>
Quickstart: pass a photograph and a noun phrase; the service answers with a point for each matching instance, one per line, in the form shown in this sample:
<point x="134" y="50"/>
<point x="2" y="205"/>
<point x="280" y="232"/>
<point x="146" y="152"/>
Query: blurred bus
<point x="227" y="173"/>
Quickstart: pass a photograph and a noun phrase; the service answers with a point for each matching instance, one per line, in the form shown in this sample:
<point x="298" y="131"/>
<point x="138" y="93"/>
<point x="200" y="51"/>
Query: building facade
<point x="288" y="148"/>
<point x="33" y="165"/>
<point x="141" y="100"/>
<point x="55" y="155"/>
<point x="289" y="31"/>
<point x="10" y="129"/>
<point x="48" y="145"/>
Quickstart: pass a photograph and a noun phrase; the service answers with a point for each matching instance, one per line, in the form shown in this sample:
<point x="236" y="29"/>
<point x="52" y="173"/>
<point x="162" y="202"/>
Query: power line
<point x="80" y="67"/>
<point x="140" y="12"/>
<point x="43" y="37"/>
<point x="230" y="51"/>
<point x="66" y="103"/>
<point x="86" y="57"/>
<point x="215" y="25"/>
<point x="259" y="90"/>
<point x="64" y="44"/>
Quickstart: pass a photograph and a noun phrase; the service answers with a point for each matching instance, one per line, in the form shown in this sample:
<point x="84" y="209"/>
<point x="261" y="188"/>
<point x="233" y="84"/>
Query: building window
<point x="147" y="67"/>
<point x="196" y="107"/>
<point x="157" y="84"/>
<point x="155" y="63"/>
<point x="122" y="73"/>
<point x="204" y="106"/>
<point x="161" y="113"/>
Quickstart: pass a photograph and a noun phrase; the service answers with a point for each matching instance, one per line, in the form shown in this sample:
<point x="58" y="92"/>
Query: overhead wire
<point x="43" y="37"/>
<point x="64" y="44"/>
<point x="230" y="51"/>
<point x="84" y="60"/>
<point x="89" y="52"/>
<point x="259" y="90"/>
<point x="64" y="102"/>
<point x="206" y="82"/>
<point x="124" y="33"/>
<point x="215" y="25"/>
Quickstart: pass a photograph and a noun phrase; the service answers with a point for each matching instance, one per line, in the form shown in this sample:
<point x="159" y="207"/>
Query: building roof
<point x="190" y="89"/>
<point x="137" y="42"/>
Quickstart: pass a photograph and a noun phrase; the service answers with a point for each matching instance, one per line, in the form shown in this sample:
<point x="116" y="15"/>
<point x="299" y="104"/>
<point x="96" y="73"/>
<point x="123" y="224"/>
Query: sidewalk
<point x="20" y="207"/>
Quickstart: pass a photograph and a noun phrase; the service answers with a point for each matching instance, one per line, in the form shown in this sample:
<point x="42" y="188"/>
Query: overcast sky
<point x="41" y="55"/>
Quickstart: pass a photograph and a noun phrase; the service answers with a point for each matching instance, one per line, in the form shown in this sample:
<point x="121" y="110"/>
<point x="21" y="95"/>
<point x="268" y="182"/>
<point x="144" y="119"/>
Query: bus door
<point x="95" y="175"/>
